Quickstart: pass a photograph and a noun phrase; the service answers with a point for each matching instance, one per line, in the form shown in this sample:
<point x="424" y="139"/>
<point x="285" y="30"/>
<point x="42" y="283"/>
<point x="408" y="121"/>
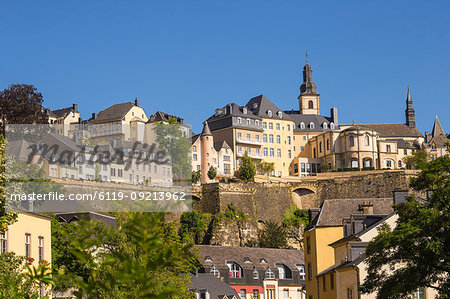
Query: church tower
<point x="409" y="112"/>
<point x="308" y="99"/>
<point x="206" y="146"/>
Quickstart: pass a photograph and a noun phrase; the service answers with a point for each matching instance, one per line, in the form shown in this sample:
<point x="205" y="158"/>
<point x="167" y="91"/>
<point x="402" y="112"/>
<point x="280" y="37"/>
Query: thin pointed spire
<point x="437" y="128"/>
<point x="408" y="97"/>
<point x="306" y="56"/>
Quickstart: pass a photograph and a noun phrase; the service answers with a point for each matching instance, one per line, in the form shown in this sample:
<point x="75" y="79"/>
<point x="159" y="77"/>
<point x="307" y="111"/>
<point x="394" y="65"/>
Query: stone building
<point x="437" y="143"/>
<point x="62" y="118"/>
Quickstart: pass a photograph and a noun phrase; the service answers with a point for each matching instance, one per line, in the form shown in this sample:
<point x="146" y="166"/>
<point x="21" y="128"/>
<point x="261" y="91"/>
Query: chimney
<point x="94" y="115"/>
<point x="75" y="107"/>
<point x="367" y="208"/>
<point x="334" y="116"/>
<point x="400" y="196"/>
<point x="80" y="120"/>
<point x="136" y="102"/>
<point x="313" y="213"/>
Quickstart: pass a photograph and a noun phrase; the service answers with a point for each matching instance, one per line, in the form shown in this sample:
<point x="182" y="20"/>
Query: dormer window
<point x="332" y="126"/>
<point x="255" y="105"/>
<point x="269" y="274"/>
<point x="302" y="125"/>
<point x="269" y="113"/>
<point x="208" y="259"/>
<point x="311" y="125"/>
<point x="247" y="260"/>
<point x="248" y="121"/>
<point x="244" y="110"/>
<point x="325" y="125"/>
<point x="255" y="273"/>
<point x="239" y="120"/>
<point x="280" y="114"/>
<point x="235" y="270"/>
<point x="262" y="261"/>
<point x="301" y="271"/>
<point x="214" y="271"/>
<point x="284" y="272"/>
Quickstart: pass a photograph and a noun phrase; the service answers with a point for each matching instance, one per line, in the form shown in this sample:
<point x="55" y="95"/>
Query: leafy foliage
<point x="295" y="217"/>
<point x="416" y="250"/>
<point x="265" y="168"/>
<point x="247" y="168"/>
<point x="196" y="176"/>
<point x="21" y="104"/>
<point x="193" y="225"/>
<point x="212" y="173"/>
<point x="170" y="137"/>
<point x="273" y="236"/>
<point x="417" y="160"/>
<point x="142" y="258"/>
<point x="6" y="218"/>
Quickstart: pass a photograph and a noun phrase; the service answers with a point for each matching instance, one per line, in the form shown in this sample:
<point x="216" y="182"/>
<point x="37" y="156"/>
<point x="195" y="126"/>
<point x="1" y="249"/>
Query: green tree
<point x="142" y="258"/>
<point x="247" y="168"/>
<point x="212" y="173"/>
<point x="273" y="236"/>
<point x="265" y="168"/>
<point x="170" y="138"/>
<point x="196" y="176"/>
<point x="417" y="160"/>
<point x="419" y="242"/>
<point x="193" y="225"/>
<point x="295" y="217"/>
<point x="6" y="218"/>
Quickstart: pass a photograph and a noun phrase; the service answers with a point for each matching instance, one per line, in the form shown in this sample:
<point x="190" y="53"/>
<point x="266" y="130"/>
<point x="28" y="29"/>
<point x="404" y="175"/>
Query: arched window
<point x="255" y="273"/>
<point x="235" y="270"/>
<point x="367" y="139"/>
<point x="328" y="144"/>
<point x="215" y="271"/>
<point x="310" y="105"/>
<point x="311" y="125"/>
<point x="269" y="113"/>
<point x="352" y="140"/>
<point x="302" y="125"/>
<point x="332" y="126"/>
<point x="280" y="114"/>
<point x="325" y="125"/>
<point x="320" y="147"/>
<point x="284" y="272"/>
<point x="269" y="274"/>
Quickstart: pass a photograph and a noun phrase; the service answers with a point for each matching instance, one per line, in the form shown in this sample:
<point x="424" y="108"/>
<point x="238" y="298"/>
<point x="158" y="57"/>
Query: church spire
<point x="437" y="128"/>
<point x="409" y="112"/>
<point x="308" y="86"/>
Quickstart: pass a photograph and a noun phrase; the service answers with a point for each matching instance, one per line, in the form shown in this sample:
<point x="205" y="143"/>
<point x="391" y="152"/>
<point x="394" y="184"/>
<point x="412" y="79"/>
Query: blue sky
<point x="191" y="57"/>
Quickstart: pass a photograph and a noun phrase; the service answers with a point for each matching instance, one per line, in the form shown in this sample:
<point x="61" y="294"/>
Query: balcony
<point x="251" y="155"/>
<point x="247" y="141"/>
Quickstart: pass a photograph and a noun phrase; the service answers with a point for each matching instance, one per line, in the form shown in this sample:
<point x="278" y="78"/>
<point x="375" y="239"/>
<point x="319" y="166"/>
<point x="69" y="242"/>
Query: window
<point x="310" y="105"/>
<point x="271" y="152"/>
<point x="302" y="167"/>
<point x="367" y="139"/>
<point x="255" y="293"/>
<point x="3" y="242"/>
<point x="120" y="172"/>
<point x="405" y="152"/>
<point x="309" y="272"/>
<point x="265" y="152"/>
<point x="302" y="148"/>
<point x="155" y="168"/>
<point x="277" y="126"/>
<point x="304" y="138"/>
<point x="349" y="293"/>
<point x="235" y="270"/>
<point x="314" y="153"/>
<point x="194" y="148"/>
<point x="302" y="125"/>
<point x="270" y="138"/>
<point x="248" y="122"/>
<point x="27" y="245"/>
<point x="257" y="151"/>
<point x="288" y="127"/>
<point x="308" y="240"/>
<point x="289" y="139"/>
<point x="284" y="272"/>
<point x="285" y="294"/>
<point x="325" y="126"/>
<point x="278" y="139"/>
<point x="240" y="149"/>
<point x="388" y="163"/>
<point x="214" y="271"/>
<point x="194" y="157"/>
<point x="257" y="138"/>
<point x="324" y="282"/>
<point x="269" y="274"/>
<point x="242" y="293"/>
<point x="352" y="140"/>
<point x="249" y="150"/>
<point x="41" y="248"/>
<point x="257" y="123"/>
<point x="270" y="126"/>
<point x="328" y="144"/>
<point x="265" y="138"/>
<point x="248" y="137"/>
<point x="269" y="113"/>
<point x="320" y="147"/>
<point x="255" y="273"/>
<point x="113" y="172"/>
<point x="264" y="124"/>
<point x="388" y="148"/>
<point x="239" y="120"/>
<point x="289" y="154"/>
<point x="311" y="125"/>
<point x="332" y="281"/>
<point x="280" y="114"/>
<point x="279" y="153"/>
<point x="419" y="294"/>
<point x="301" y="271"/>
<point x="239" y="135"/>
<point x="399" y="163"/>
<point x="332" y="126"/>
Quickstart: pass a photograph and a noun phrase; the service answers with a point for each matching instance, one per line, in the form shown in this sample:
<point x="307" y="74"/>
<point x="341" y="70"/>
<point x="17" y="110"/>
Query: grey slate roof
<point x="401" y="143"/>
<point x="318" y="120"/>
<point x="260" y="105"/>
<point x="63" y="112"/>
<point x="18" y="149"/>
<point x="162" y="116"/>
<point x="218" y="145"/>
<point x="216" y="287"/>
<point x="332" y="211"/>
<point x="395" y="130"/>
<point x="113" y="113"/>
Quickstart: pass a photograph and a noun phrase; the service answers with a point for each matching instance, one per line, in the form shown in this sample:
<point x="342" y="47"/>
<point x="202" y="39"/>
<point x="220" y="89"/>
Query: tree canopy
<point x="247" y="168"/>
<point x="273" y="236"/>
<point x="416" y="251"/>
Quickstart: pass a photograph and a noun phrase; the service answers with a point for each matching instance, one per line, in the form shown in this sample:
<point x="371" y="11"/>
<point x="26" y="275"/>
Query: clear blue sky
<point x="191" y="57"/>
